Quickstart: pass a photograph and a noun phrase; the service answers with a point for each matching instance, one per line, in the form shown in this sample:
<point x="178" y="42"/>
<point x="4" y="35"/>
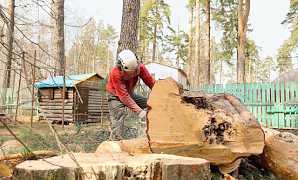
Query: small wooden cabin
<point x="85" y="99"/>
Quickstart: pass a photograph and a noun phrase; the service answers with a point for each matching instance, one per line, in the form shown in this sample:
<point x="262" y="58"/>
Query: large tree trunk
<point x="197" y="46"/>
<point x="59" y="56"/>
<point x="154" y="44"/>
<point x="129" y="25"/>
<point x="281" y="154"/>
<point x="243" y="14"/>
<point x="190" y="46"/>
<point x="214" y="127"/>
<point x="9" y="37"/>
<point x="205" y="61"/>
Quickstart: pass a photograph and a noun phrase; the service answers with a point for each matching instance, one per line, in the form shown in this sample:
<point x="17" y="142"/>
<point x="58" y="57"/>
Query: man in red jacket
<point x="120" y="87"/>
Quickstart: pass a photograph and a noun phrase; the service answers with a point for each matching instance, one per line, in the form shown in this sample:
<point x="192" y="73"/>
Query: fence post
<point x="33" y="81"/>
<point x="63" y="92"/>
<point x="18" y="93"/>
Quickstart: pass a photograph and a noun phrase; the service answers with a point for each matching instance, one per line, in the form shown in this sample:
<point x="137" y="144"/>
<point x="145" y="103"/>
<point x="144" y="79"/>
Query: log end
<point x="281" y="153"/>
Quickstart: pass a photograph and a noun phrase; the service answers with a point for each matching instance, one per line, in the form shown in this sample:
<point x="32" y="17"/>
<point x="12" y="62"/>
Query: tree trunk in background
<point x="154" y="45"/>
<point x="243" y="13"/>
<point x="9" y="36"/>
<point x="205" y="61"/>
<point x="190" y="47"/>
<point x="129" y="25"/>
<point x="59" y="36"/>
<point x="197" y="46"/>
<point x="208" y="41"/>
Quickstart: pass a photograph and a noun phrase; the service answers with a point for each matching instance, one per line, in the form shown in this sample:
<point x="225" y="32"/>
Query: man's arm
<point x="123" y="94"/>
<point x="146" y="76"/>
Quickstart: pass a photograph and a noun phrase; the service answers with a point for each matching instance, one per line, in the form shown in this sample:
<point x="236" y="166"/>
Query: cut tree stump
<point x="217" y="128"/>
<point x="281" y="154"/>
<point x="8" y="162"/>
<point x="109" y="166"/>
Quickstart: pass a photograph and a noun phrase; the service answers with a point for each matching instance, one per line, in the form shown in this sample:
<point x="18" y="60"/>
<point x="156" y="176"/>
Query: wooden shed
<point x="85" y="99"/>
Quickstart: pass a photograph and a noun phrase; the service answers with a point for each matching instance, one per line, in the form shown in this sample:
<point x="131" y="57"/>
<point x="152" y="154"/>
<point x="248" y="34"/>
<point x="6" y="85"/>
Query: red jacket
<point x="122" y="85"/>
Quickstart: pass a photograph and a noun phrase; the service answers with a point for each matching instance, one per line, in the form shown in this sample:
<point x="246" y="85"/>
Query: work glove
<point x="142" y="114"/>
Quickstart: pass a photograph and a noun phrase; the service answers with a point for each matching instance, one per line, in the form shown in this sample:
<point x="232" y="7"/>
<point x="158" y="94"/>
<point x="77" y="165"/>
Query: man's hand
<point x="142" y="114"/>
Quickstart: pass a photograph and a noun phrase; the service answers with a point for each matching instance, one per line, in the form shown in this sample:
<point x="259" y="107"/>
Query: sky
<point x="265" y="18"/>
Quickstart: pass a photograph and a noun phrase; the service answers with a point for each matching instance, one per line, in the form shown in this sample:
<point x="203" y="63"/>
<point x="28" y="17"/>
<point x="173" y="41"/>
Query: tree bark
<point x="59" y="56"/>
<point x="208" y="40"/>
<point x="205" y="61"/>
<point x="10" y="37"/>
<point x="154" y="44"/>
<point x="190" y="46"/>
<point x="129" y="26"/>
<point x="243" y="14"/>
<point x="197" y="46"/>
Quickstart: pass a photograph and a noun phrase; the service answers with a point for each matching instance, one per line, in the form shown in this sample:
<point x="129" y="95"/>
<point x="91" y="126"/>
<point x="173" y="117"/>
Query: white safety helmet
<point x="128" y="60"/>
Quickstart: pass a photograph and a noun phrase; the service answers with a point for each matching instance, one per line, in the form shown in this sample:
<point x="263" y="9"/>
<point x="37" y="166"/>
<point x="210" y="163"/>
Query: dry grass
<point x="82" y="138"/>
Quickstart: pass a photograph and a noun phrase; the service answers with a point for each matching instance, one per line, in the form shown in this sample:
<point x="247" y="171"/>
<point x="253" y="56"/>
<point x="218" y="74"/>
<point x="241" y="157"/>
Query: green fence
<point x="275" y="105"/>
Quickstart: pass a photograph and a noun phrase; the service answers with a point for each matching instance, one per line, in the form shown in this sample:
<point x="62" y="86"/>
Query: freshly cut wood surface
<point x="106" y="166"/>
<point x="131" y="146"/>
<point x="281" y="153"/>
<point x="214" y="127"/>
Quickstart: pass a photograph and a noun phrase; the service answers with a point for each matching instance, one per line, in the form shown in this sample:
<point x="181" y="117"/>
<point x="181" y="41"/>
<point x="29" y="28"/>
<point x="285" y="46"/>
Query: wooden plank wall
<point x="97" y="107"/>
<point x="51" y="109"/>
<point x="97" y="101"/>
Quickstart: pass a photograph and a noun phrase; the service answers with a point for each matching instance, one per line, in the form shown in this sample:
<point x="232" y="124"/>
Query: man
<point x="120" y="87"/>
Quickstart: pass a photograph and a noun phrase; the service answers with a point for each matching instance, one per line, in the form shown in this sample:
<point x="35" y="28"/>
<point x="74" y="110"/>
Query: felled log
<point x="106" y="166"/>
<point x="281" y="154"/>
<point x="36" y="154"/>
<point x="214" y="127"/>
